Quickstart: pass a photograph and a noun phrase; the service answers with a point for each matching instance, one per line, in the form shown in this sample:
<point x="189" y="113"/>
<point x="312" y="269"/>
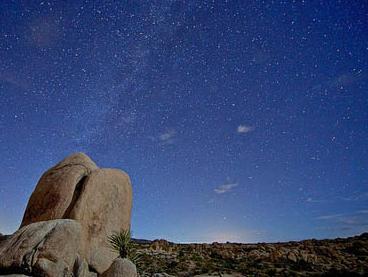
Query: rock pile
<point x="338" y="257"/>
<point x="73" y="209"/>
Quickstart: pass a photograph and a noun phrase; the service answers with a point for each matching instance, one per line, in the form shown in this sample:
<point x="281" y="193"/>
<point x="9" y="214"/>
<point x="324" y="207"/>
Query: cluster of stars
<point x="186" y="96"/>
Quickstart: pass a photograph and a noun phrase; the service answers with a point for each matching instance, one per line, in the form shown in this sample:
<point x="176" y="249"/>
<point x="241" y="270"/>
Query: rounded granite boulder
<point x="55" y="190"/>
<point x="99" y="199"/>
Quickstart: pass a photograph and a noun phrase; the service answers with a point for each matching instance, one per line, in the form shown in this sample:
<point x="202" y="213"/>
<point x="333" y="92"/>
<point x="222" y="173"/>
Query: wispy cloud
<point x="313" y="200"/>
<point x="14" y="80"/>
<point x="330" y="216"/>
<point x="167" y="137"/>
<point x="342" y="80"/>
<point x="346" y="221"/>
<point x="357" y="196"/>
<point x="354" y="197"/>
<point x="224" y="188"/>
<point x="243" y="129"/>
<point x="347" y="78"/>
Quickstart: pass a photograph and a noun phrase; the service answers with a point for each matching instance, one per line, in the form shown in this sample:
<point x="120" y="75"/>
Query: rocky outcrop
<point x="47" y="248"/>
<point x="121" y="268"/>
<point x="110" y="192"/>
<point x="339" y="257"/>
<point x="81" y="268"/>
<point x="56" y="189"/>
<point x="75" y="192"/>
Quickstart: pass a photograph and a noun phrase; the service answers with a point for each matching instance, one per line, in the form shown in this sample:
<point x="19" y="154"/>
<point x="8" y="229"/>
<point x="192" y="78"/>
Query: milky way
<point x="236" y="120"/>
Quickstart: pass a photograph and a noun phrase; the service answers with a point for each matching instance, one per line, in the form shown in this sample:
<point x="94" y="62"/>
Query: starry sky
<point x="236" y="120"/>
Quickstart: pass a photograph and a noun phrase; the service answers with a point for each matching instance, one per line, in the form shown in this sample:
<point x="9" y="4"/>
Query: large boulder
<point x="121" y="268"/>
<point x="56" y="189"/>
<point x="103" y="207"/>
<point x="47" y="248"/>
<point x="100" y="199"/>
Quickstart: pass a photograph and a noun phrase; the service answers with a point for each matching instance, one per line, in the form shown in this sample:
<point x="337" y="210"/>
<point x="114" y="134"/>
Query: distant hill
<point x="141" y="241"/>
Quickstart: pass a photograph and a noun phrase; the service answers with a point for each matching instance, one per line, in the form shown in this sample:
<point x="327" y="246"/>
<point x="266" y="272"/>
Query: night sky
<point x="236" y="120"/>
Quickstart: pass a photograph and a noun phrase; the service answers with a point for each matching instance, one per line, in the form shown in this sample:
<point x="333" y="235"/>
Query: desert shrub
<point x="172" y="264"/>
<point x="122" y="244"/>
<point x="181" y="254"/>
<point x="341" y="273"/>
<point x="197" y="258"/>
<point x="271" y="272"/>
<point x="228" y="263"/>
<point x="215" y="255"/>
<point x="359" y="248"/>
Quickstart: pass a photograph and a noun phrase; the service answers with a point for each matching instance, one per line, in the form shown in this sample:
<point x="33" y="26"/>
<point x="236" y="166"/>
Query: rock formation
<point x="121" y="267"/>
<point x="338" y="257"/>
<point x="102" y="208"/>
<point x="73" y="209"/>
<point x="46" y="247"/>
<point x="54" y="193"/>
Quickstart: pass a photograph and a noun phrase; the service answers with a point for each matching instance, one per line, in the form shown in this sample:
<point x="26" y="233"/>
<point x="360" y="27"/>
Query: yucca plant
<point x="121" y="243"/>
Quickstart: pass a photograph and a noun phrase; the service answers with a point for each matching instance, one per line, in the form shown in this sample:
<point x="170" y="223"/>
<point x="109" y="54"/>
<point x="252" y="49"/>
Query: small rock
<point x="292" y="257"/>
<point x="121" y="268"/>
<point x="80" y="267"/>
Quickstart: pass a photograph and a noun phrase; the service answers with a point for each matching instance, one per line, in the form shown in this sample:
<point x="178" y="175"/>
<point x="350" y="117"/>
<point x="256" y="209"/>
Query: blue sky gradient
<point x="236" y="120"/>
